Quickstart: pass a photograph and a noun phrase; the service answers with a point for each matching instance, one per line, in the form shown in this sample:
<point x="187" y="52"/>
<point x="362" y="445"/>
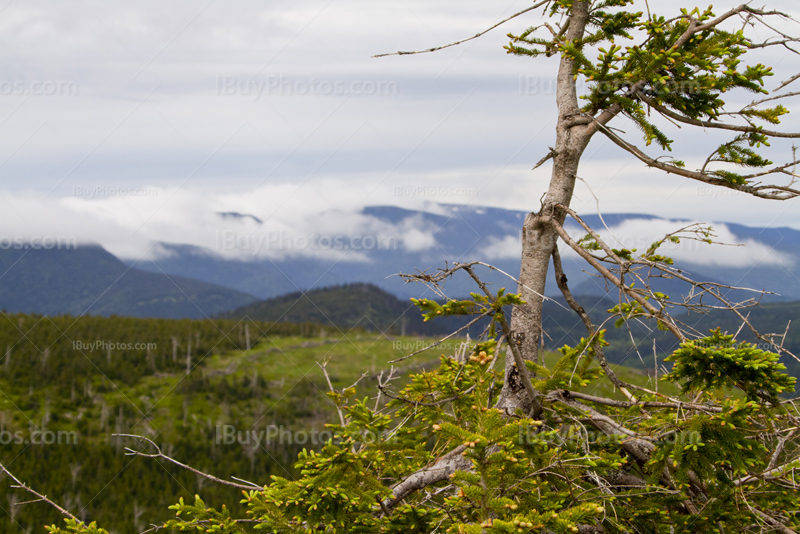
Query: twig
<point x="437" y="48"/>
<point x="550" y="155"/>
<point x="561" y="280"/>
<point x="430" y="404"/>
<point x="39" y="497"/>
<point x="437" y="343"/>
<point x="324" y="366"/>
<point x="159" y="454"/>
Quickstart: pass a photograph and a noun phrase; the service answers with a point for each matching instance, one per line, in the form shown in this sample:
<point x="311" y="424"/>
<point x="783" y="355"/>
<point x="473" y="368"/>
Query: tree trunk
<point x="538" y="239"/>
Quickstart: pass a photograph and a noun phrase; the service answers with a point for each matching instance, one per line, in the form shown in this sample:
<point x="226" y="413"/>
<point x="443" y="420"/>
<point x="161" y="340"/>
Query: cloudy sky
<point x="128" y="123"/>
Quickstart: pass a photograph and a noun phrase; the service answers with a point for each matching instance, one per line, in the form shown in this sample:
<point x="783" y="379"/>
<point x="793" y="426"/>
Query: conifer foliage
<point x="449" y="453"/>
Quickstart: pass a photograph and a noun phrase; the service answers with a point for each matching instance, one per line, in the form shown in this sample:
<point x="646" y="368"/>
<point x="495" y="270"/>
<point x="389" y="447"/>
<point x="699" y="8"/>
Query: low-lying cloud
<point x="275" y="222"/>
<point x="728" y="250"/>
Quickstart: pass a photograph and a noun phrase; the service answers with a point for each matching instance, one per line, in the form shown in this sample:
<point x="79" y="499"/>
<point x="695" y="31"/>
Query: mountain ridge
<point x="458" y="233"/>
<point x="90" y="280"/>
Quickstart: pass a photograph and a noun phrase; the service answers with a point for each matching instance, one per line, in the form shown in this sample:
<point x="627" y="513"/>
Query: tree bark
<point x="539" y="240"/>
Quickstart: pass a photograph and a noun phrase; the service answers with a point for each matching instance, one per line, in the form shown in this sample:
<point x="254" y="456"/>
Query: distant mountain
<point x="189" y="281"/>
<point x="466" y="233"/>
<point x="344" y="307"/>
<point x="232" y="215"/>
<point x="89" y="280"/>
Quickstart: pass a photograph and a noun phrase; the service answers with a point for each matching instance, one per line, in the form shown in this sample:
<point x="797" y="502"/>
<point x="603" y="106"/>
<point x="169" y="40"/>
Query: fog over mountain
<point x="398" y="240"/>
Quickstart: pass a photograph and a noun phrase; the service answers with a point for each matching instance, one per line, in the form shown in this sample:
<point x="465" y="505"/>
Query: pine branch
<point x="711" y="124"/>
<point x="771" y="192"/>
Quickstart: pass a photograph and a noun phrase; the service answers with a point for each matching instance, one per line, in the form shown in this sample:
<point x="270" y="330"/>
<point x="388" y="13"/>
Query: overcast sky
<point x="127" y="123"/>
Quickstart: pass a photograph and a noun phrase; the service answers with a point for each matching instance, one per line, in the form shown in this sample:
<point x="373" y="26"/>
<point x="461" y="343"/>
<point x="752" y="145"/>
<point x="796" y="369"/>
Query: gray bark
<point x="573" y="133"/>
<point x="539" y="240"/>
<point x="438" y="472"/>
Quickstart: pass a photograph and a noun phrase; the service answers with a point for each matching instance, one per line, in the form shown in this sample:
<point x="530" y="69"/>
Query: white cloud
<point x="732" y="252"/>
<point x="639" y="233"/>
<point x="306" y="220"/>
<point x="509" y="247"/>
<point x="149" y="113"/>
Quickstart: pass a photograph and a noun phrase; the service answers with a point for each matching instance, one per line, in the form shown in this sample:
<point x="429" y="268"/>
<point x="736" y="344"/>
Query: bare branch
<point x="441" y="470"/>
<point x="39" y="497"/>
<point x="437" y="343"/>
<point x="433" y="280"/>
<point x="561" y="280"/>
<point x="324" y="366"/>
<point x="624" y="405"/>
<point x="768" y="99"/>
<point x="666" y="320"/>
<point x="670" y="322"/>
<point x="159" y="454"/>
<point x="484" y="32"/>
<point x="787" y="82"/>
<point x="550" y="155"/>
<point x="428" y="404"/>
<point x="637" y="446"/>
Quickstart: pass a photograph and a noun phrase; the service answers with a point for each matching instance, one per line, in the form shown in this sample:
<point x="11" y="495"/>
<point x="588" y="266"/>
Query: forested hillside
<point x="67" y="385"/>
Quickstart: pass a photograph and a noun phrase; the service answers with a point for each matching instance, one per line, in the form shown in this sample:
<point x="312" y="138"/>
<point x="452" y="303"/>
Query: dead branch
<point x="159" y="454"/>
<point x="441" y="470"/>
<point x="39" y="497"/>
<point x="665" y="319"/>
<point x="561" y="280"/>
<point x="648" y="404"/>
<point x="434" y="280"/>
<point x="437" y="343"/>
<point x="706" y="287"/>
<point x="428" y="404"/>
<point x="324" y="366"/>
<point x="550" y="155"/>
<point x="484" y="32"/>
